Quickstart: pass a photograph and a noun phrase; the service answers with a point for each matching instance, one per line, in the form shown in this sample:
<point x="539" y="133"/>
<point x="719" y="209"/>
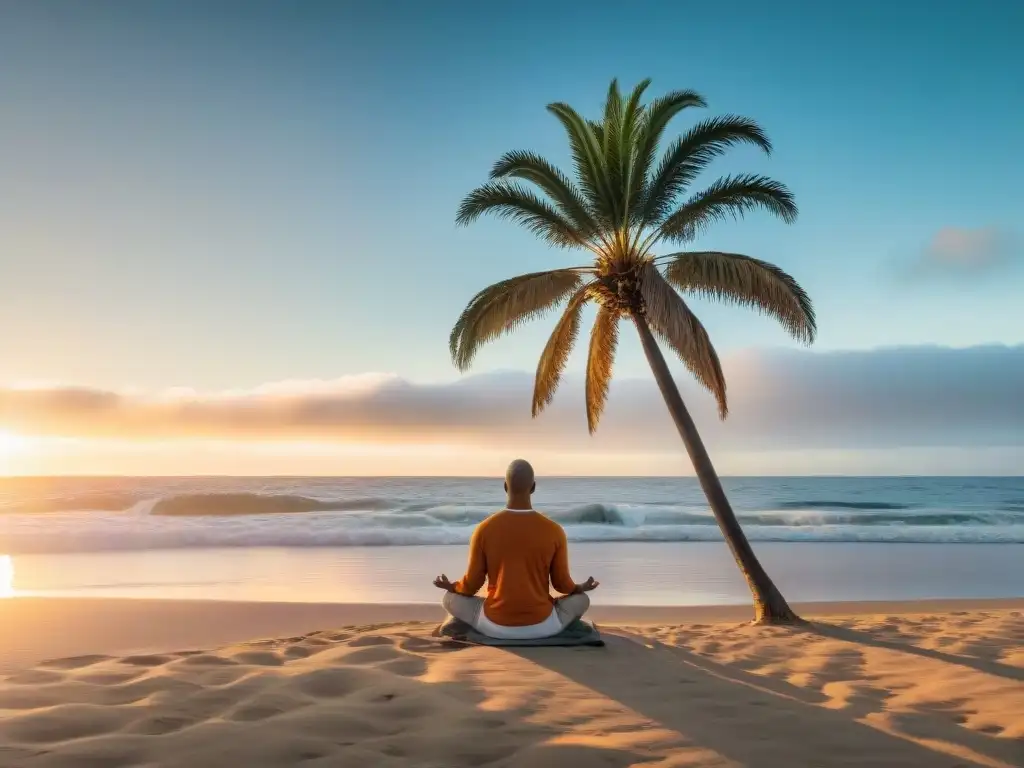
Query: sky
<point x="253" y="203"/>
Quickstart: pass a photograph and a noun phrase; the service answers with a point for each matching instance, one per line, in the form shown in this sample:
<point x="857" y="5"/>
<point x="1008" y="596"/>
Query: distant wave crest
<point x="232" y="504"/>
<point x="841" y="505"/>
<point x="184" y="520"/>
<point x="82" y="502"/>
<point x="210" y="504"/>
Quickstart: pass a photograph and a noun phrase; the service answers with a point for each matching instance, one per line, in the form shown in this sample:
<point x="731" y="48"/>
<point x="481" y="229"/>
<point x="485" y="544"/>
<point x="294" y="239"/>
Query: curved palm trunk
<point x="769" y="604"/>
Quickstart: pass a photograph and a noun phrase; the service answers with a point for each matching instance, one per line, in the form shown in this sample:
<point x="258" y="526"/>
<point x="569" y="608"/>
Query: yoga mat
<point x="578" y="633"/>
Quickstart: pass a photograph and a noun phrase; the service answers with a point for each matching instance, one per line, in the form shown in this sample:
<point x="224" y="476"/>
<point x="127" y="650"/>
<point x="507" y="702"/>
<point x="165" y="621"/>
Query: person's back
<point x="519" y="552"/>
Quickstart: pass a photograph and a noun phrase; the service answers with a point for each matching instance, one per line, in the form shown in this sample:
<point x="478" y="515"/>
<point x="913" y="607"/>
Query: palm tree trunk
<point x="769" y="604"/>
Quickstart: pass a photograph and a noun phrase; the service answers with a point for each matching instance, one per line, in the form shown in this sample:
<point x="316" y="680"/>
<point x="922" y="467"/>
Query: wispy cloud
<point x="960" y="252"/>
<point x="913" y="396"/>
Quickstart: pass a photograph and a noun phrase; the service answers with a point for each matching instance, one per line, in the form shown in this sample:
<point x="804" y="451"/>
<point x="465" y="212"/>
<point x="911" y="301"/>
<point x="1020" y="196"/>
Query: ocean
<point x="651" y="541"/>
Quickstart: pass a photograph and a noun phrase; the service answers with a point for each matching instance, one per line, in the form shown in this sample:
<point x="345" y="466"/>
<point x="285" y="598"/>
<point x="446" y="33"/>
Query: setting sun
<point x="11" y="445"/>
<point x="6" y="576"/>
<point x="10" y="442"/>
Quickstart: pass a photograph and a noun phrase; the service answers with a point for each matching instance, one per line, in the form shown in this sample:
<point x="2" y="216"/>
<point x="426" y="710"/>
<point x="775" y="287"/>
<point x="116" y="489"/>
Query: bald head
<point x="519" y="479"/>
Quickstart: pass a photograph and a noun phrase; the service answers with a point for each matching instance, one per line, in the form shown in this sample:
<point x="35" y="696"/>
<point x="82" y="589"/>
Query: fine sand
<point x="176" y="683"/>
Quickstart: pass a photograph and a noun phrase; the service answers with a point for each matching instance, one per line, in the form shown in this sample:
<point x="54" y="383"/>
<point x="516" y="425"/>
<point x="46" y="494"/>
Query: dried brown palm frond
<point x="604" y="337"/>
<point x="747" y="281"/>
<point x="672" y="320"/>
<point x="504" y="306"/>
<point x="556" y="351"/>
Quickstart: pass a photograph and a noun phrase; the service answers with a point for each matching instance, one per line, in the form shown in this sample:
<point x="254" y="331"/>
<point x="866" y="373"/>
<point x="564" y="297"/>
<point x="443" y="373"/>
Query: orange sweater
<point x="518" y="553"/>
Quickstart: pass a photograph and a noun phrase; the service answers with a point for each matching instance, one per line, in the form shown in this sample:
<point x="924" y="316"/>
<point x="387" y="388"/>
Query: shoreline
<point x="631" y="574"/>
<point x="37" y="629"/>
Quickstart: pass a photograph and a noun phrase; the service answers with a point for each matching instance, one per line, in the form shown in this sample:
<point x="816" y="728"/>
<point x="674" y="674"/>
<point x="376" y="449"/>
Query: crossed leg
<point x="468" y="609"/>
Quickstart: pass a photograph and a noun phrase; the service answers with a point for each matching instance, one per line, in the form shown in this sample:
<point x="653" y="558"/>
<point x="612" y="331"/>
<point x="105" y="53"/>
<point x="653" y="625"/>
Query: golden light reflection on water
<point x="6" y="576"/>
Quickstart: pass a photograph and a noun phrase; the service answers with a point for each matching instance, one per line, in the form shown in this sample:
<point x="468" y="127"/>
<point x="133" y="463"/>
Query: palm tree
<point x="624" y="202"/>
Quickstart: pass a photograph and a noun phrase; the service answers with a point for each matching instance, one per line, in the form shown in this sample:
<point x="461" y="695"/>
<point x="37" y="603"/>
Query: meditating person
<point x="519" y="552"/>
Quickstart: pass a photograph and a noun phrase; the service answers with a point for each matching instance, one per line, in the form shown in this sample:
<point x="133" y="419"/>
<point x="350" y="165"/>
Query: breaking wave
<point x="182" y="520"/>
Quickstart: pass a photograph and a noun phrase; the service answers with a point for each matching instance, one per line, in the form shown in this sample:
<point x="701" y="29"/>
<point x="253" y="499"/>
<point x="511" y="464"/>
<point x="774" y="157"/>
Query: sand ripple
<point x="937" y="691"/>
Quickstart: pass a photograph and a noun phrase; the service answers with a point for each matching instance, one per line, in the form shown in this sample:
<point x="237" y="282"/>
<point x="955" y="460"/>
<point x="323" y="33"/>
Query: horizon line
<point x="227" y="476"/>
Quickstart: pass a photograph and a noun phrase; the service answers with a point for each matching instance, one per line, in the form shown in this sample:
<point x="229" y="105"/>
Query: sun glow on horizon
<point x="12" y="445"/>
<point x="6" y="576"/>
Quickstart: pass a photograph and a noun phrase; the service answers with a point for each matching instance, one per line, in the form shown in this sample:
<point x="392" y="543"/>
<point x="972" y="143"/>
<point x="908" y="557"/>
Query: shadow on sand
<point x="861" y="637"/>
<point x="761" y="722"/>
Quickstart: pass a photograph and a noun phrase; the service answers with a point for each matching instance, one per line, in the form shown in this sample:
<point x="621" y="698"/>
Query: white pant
<point x="471" y="610"/>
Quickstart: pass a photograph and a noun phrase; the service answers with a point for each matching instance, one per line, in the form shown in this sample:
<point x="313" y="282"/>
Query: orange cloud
<point x="779" y="400"/>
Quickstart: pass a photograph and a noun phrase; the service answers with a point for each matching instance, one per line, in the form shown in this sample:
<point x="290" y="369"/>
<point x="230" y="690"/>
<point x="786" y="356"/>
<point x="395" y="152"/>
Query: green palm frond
<point x="633" y="112"/>
<point x="504" y="306"/>
<point x="744" y="280"/>
<point x="588" y="161"/>
<point x="618" y="136"/>
<point x="556" y="351"/>
<point x="566" y="196"/>
<point x="613" y="105"/>
<point x="611" y="147"/>
<point x="690" y="154"/>
<point x="655" y="119"/>
<point x="629" y="131"/>
<point x="604" y="338"/>
<point x="672" y="320"/>
<point x="732" y="196"/>
<point x="514" y="201"/>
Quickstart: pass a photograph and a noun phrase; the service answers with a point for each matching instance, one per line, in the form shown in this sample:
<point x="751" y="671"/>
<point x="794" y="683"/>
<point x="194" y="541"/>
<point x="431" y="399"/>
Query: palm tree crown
<point x="623" y="203"/>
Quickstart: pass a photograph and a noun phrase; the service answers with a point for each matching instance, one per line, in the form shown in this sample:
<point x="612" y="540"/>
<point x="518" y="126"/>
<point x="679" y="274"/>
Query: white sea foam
<point x="140" y="514"/>
<point x="98" y="532"/>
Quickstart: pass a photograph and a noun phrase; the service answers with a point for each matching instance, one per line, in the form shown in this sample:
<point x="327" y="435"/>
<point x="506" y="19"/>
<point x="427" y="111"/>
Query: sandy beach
<point x="109" y="682"/>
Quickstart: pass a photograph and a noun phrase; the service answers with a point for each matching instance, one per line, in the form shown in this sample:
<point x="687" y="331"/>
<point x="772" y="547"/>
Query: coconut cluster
<point x="619" y="292"/>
